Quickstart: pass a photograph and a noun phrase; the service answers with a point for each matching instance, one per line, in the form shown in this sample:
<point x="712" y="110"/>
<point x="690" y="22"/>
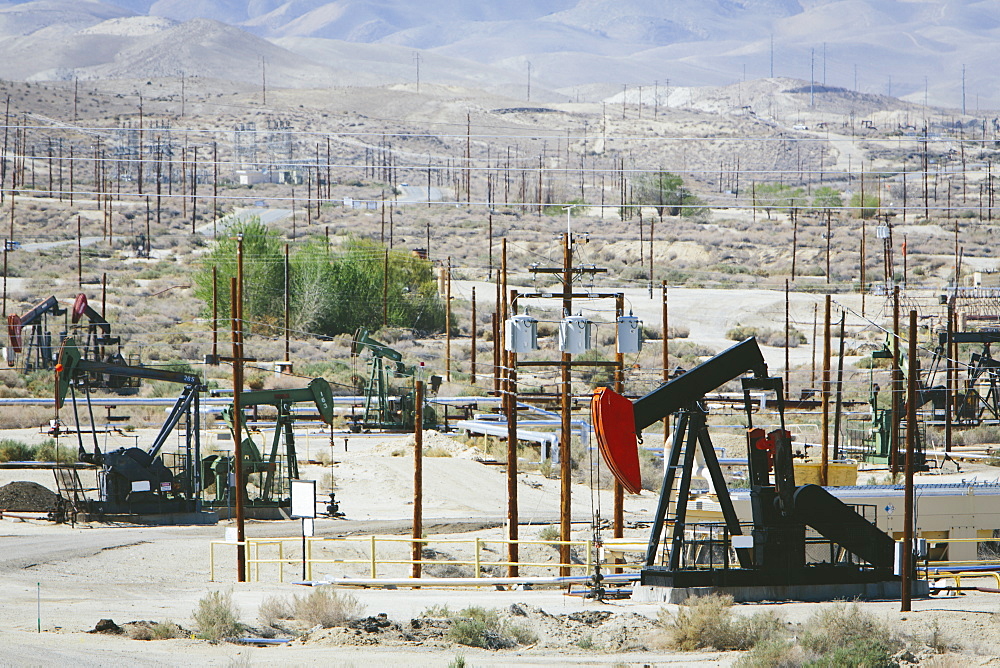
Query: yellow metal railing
<point x="374" y="560"/>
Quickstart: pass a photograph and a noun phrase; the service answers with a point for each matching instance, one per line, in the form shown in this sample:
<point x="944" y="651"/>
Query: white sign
<point x="308" y="527"/>
<point x="303" y="498"/>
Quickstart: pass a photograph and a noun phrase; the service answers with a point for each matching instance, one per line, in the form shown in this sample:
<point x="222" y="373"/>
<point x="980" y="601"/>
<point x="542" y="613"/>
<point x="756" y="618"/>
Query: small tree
<point x="866" y="207"/>
<point x="778" y="197"/>
<point x="827" y="198"/>
<point x="263" y="271"/>
<point x="666" y="192"/>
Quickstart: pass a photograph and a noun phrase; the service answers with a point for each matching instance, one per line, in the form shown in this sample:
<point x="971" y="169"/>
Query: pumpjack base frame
<point x="179" y="518"/>
<point x="254" y="512"/>
<point x="749" y="585"/>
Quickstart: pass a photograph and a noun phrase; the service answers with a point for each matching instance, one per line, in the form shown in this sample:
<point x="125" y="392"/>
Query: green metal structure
<point x="280" y="465"/>
<point x="388" y="406"/>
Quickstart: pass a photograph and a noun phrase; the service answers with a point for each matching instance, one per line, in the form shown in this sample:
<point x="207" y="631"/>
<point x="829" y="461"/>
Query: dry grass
<point x="708" y="621"/>
<point x="217" y="617"/>
<point x="274" y="609"/>
<point x="327" y="607"/>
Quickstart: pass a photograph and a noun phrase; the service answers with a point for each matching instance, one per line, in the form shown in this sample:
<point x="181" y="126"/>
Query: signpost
<point x="304" y="508"/>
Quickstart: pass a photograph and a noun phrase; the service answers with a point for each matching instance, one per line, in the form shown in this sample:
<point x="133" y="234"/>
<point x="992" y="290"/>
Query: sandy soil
<point x="67" y="578"/>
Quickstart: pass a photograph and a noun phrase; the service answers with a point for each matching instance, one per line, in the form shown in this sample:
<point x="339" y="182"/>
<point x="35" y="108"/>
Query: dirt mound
<point x="599" y="630"/>
<point x="26" y="496"/>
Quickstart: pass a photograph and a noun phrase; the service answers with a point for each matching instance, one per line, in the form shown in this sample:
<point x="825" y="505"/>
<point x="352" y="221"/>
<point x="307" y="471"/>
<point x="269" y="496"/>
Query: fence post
<point x="373" y="557"/>
<point x="478" y="548"/>
<point x="309" y="559"/>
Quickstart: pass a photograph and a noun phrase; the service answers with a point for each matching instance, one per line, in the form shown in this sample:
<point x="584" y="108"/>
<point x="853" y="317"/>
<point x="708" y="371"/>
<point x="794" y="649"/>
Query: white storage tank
<point x="629" y="334"/>
<point x="574" y="335"/>
<point x="521" y="333"/>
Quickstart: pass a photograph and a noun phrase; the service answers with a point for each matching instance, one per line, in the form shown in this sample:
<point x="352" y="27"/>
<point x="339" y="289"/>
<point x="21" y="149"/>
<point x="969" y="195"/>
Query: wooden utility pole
<point x="863" y="290"/>
<point x="949" y="372"/>
<point x="618" y="521"/>
<point x="447" y="322"/>
<point x="472" y="351"/>
<point x="238" y="489"/>
<point x="566" y="436"/>
<point x="288" y="350"/>
<point x="665" y="352"/>
<point x="897" y="385"/>
<point x="418" y="477"/>
<point x="825" y="454"/>
<point x="787" y="339"/>
<point x="510" y="397"/>
<point x="215" y="315"/>
<point x="385" y="290"/>
<point x="839" y="404"/>
<point x="812" y="375"/>
<point x="79" y="255"/>
<point x="911" y="433"/>
<point x="194" y="188"/>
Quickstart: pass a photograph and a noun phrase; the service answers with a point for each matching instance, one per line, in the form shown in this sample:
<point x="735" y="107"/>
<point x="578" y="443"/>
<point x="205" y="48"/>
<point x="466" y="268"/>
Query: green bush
<point x="479" y="627"/>
<point x="217" y="617"/>
<point x="16" y="451"/>
<point x="64" y="454"/>
<point x="331" y="293"/>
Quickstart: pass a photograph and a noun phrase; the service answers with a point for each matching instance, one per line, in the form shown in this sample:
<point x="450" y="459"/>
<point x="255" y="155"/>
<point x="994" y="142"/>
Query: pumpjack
<point x="30" y="339"/>
<point x="980" y="398"/>
<point x="774" y="550"/>
<point x="133" y="480"/>
<point x="383" y="410"/>
<point x="275" y="471"/>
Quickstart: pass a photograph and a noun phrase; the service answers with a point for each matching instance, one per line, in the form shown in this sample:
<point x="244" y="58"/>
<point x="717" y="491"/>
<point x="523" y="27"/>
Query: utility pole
<point x="472" y="351"/>
<point x="911" y="431"/>
<point x="418" y="477"/>
<point x="565" y="436"/>
<point x="447" y="322"/>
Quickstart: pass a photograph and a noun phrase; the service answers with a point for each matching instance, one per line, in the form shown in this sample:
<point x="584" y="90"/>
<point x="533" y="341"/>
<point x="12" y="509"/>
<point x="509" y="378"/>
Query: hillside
<point x="918" y="50"/>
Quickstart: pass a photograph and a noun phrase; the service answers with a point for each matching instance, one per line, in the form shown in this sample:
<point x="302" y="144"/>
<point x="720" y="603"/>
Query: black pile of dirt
<point x="25" y="496"/>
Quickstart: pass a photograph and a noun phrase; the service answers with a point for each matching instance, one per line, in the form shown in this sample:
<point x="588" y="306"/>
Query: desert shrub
<point x="437" y="611"/>
<point x="327" y="607"/>
<point x="166" y="631"/>
<point x="20" y="417"/>
<point x="861" y="652"/>
<point x="48" y="452"/>
<point x="767" y="337"/>
<point x="479" y="627"/>
<point x="873" y="363"/>
<point x="272" y="609"/>
<point x="708" y="621"/>
<point x="773" y="653"/>
<point x="551" y="532"/>
<point x="16" y="451"/>
<point x="847" y="632"/>
<point x="217" y="617"/>
<point x="139" y="632"/>
<point x="436" y="451"/>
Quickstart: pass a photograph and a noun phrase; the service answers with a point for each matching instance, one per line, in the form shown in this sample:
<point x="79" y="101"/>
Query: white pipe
<point x="464" y="582"/>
